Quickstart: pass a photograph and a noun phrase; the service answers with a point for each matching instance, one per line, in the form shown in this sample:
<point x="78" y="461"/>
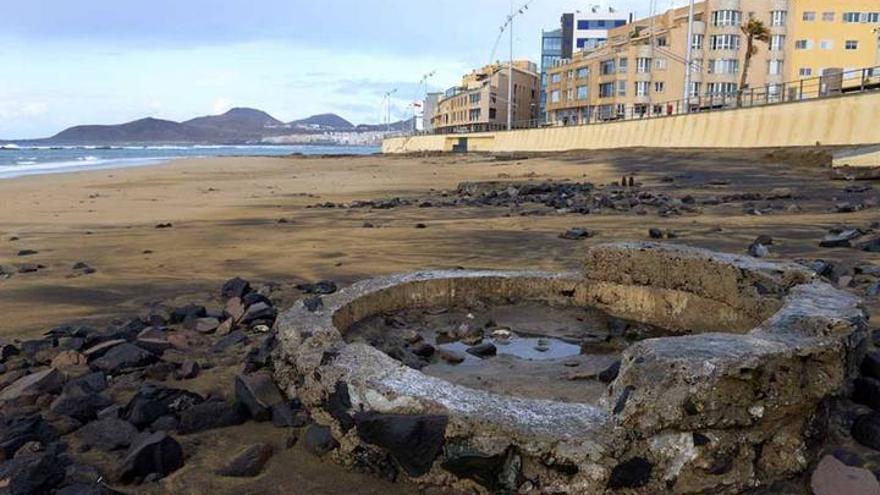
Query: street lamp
<point x="422" y="82"/>
<point x="508" y="25"/>
<point x="387" y="99"/>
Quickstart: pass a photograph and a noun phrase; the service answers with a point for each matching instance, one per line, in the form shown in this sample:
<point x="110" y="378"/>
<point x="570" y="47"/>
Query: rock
<point x="122" y="358"/>
<point x="313" y="304"/>
<point x="234" y="339"/>
<point x="873" y="290"/>
<point x="48" y="381"/>
<point x="164" y="423"/>
<point x="323" y="287"/>
<point x="209" y="415"/>
<point x="29" y="268"/>
<point x="421" y="226"/>
<point x="758" y="251"/>
<point x="108" y="434"/>
<point x="87" y="384"/>
<point x="156" y="453"/>
<point x="189" y="369"/>
<point x="872" y="246"/>
<point x="81" y="406"/>
<point x="610" y="374"/>
<point x="18" y="431"/>
<point x="576" y="234"/>
<point x="226" y="327"/>
<point x="870" y="366"/>
<point x="206" y="325"/>
<point x="69" y="361"/>
<point x="99" y="350"/>
<point x="189" y="312"/>
<point x="235" y="288"/>
<point x="254" y="298"/>
<point x="27" y="252"/>
<point x="186" y="340"/>
<point x="248" y="462"/>
<point x="450" y="357"/>
<point x="655" y="233"/>
<point x="289" y="414"/>
<point x="257" y="393"/>
<point x="155" y="346"/>
<point x="422" y="349"/>
<point x="413" y="441"/>
<point x="633" y="473"/>
<point x="483" y="350"/>
<point x="866" y="430"/>
<point x="152" y="402"/>
<point x="833" y="477"/>
<point x="31" y="474"/>
<point x="164" y="225"/>
<point x="318" y="440"/>
<point x="259" y="312"/>
<point x="234" y="309"/>
<point x="843" y="238"/>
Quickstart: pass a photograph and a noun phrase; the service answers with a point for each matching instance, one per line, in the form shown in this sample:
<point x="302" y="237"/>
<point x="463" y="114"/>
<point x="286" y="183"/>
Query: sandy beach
<point x="173" y="233"/>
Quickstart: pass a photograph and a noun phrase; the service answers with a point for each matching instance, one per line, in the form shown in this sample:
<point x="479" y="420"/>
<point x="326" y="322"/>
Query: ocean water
<point x="17" y="161"/>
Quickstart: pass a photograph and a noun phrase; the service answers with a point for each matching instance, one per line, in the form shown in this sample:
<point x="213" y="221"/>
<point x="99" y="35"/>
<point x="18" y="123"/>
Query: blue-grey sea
<point x="20" y="160"/>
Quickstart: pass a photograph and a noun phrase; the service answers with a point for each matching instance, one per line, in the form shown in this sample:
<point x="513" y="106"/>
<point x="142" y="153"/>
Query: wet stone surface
<point x="562" y="350"/>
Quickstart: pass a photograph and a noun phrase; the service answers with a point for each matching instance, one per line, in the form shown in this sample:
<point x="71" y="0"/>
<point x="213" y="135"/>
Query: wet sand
<point x="249" y="217"/>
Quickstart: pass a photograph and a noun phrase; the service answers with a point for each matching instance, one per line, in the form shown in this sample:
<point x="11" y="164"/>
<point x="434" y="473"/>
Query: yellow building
<point x="480" y="103"/>
<point x="641" y="71"/>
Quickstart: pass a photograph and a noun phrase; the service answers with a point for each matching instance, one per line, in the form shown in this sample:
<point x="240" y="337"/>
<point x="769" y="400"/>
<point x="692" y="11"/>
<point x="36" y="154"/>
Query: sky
<point x="65" y="62"/>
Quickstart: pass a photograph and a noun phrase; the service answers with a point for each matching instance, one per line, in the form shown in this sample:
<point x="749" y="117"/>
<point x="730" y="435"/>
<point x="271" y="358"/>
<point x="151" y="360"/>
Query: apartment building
<point x="641" y="70"/>
<point x="480" y="102"/>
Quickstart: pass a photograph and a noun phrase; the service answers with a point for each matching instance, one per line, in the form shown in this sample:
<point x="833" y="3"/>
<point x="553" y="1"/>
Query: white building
<point x="591" y="25"/>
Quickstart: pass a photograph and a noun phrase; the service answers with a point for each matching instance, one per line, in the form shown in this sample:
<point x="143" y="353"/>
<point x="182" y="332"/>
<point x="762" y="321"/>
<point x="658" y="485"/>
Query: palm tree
<point x="755" y="30"/>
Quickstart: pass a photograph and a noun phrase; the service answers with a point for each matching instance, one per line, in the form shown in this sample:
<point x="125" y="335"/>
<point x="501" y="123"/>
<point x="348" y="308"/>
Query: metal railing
<point x="824" y="86"/>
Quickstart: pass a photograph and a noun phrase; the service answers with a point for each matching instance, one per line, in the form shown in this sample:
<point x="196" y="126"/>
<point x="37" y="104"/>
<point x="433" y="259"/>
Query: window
<point x="726" y="18"/>
<point x="583" y="73"/>
<point x="492" y="113"/>
<point x="724" y="66"/>
<point x="826" y="44"/>
<point x="828" y="16"/>
<point x="721" y="88"/>
<point x="697" y="65"/>
<point x="724" y="42"/>
<point x="642" y="88"/>
<point x="852" y="44"/>
<point x="850" y="17"/>
<point x="659" y="87"/>
<point x="475" y="98"/>
<point x="623" y="65"/>
<point x="660" y="64"/>
<point x="805" y="72"/>
<point x="777" y="42"/>
<point x="803" y="44"/>
<point x="474" y="114"/>
<point x="778" y="18"/>
<point x="863" y="17"/>
<point x="809" y="16"/>
<point x="556" y="78"/>
<point x="661" y="41"/>
<point x="550" y="61"/>
<point x="571" y="74"/>
<point x="695" y="89"/>
<point x="569" y="95"/>
<point x="607" y="67"/>
<point x="697" y="42"/>
<point x="583" y="92"/>
<point x="621" y="88"/>
<point x="552" y="44"/>
<point x="643" y="65"/>
<point x="555" y="96"/>
<point x="606" y="90"/>
<point x="774" y="67"/>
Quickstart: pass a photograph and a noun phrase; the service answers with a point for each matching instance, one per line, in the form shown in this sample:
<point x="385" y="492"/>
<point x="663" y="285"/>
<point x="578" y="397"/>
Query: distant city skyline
<point x="107" y="62"/>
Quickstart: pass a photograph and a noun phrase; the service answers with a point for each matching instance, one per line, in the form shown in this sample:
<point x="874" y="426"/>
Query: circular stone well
<point x="731" y="396"/>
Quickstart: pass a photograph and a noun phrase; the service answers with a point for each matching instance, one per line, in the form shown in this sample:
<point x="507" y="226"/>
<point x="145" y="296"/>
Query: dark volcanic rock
<point x="867" y="391"/>
<point x="323" y="287"/>
<point x="209" y="415"/>
<point x="257" y="394"/>
<point x="842" y="238"/>
<point x="152" y="402"/>
<point x="313" y="304"/>
<point x="108" y="434"/>
<point x="492" y="471"/>
<point x="655" y="233"/>
<point x="633" y="473"/>
<point x="189" y="369"/>
<point x="318" y="440"/>
<point x="124" y="357"/>
<point x="236" y="287"/>
<point x="31" y="474"/>
<point x="248" y="462"/>
<point x="484" y="350"/>
<point x="610" y="373"/>
<point x="234" y="339"/>
<point x="156" y="453"/>
<point x="290" y="414"/>
<point x="413" y="441"/>
<point x="48" y="381"/>
<point x="27" y="252"/>
<point x="83" y="407"/>
<point x="866" y="430"/>
<point x="20" y="430"/>
<point x="259" y="312"/>
<point x="871" y="365"/>
<point x="189" y="312"/>
<point x="576" y="234"/>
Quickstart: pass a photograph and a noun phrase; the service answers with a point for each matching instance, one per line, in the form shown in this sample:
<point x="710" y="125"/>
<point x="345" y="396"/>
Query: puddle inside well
<point x="540" y="351"/>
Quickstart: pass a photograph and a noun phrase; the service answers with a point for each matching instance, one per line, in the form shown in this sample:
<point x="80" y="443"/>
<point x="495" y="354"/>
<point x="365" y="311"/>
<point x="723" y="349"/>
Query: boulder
<point x="48" y="381"/>
<point x="69" y="361"/>
<point x="257" y="394"/>
<point x="108" y="434"/>
<point x="206" y="325"/>
<point x="833" y="477"/>
<point x="189" y="312"/>
<point x="259" y="312"/>
<point x="318" y="440"/>
<point x="633" y="473"/>
<point x="31" y="474"/>
<point x="842" y="238"/>
<point x="124" y="357"/>
<point x="289" y="414"/>
<point x="236" y="287"/>
<point x="152" y="402"/>
<point x="248" y="462"/>
<point x="82" y="407"/>
<point x="151" y="454"/>
<point x="484" y="350"/>
<point x="413" y="441"/>
<point x="576" y="234"/>
<point x="323" y="287"/>
<point x="234" y="309"/>
<point x="18" y="431"/>
<point x="189" y="369"/>
<point x="234" y="339"/>
<point x="99" y="350"/>
<point x="867" y="391"/>
<point x="871" y="365"/>
<point x="866" y="430"/>
<point x="209" y="415"/>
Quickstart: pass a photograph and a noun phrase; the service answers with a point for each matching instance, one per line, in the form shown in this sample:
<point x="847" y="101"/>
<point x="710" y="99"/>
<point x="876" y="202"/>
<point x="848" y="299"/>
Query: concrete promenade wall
<point x="844" y="120"/>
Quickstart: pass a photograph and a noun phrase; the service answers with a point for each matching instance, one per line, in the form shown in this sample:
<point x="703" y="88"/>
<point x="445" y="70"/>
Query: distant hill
<point x="324" y="121"/>
<point x="237" y="126"/>
<point x="242" y="122"/>
<point x="147" y="130"/>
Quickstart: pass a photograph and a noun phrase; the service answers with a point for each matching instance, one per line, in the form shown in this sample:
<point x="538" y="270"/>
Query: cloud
<point x="11" y="110"/>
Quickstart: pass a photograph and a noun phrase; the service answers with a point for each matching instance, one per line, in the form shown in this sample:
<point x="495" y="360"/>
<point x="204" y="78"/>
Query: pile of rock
<point x="122" y="392"/>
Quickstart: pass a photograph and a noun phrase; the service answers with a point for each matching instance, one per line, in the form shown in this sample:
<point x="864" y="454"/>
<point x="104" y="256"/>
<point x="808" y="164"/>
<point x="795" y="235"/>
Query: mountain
<point x="238" y="121"/>
<point x="399" y="126"/>
<point x="147" y="130"/>
<point x="323" y="121"/>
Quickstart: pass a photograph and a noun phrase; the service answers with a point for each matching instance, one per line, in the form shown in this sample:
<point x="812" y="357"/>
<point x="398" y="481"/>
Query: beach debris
<point x="576" y="234"/>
